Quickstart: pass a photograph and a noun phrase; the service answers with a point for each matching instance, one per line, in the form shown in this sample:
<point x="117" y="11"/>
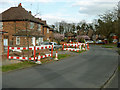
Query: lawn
<point x="80" y="51"/>
<point x="119" y="68"/>
<point x="109" y="45"/>
<point x="61" y="56"/>
<point x="20" y="65"/>
<point x="118" y="51"/>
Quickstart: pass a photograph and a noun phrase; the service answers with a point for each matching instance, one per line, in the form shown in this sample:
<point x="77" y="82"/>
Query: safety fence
<point x="34" y="48"/>
<point x="75" y="46"/>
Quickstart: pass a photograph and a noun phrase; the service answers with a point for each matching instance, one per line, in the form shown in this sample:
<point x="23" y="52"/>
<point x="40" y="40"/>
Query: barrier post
<point x="80" y="47"/>
<point x="85" y="47"/>
<point x="8" y="53"/>
<point x="77" y="48"/>
<point x="88" y="46"/>
<point x="52" y="51"/>
<point x="63" y="46"/>
<point x="56" y="56"/>
<point x="67" y="46"/>
<point x="34" y="52"/>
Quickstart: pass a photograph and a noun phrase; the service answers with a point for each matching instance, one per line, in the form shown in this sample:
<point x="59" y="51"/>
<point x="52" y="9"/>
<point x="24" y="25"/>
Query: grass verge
<point x="61" y="56"/>
<point x="118" y="51"/>
<point x="119" y="68"/>
<point x="80" y="51"/>
<point x="20" y="65"/>
<point x="107" y="47"/>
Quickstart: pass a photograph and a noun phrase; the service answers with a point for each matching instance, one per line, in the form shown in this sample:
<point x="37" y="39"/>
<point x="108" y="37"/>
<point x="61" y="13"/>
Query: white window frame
<point x="33" y="41"/>
<point x="1" y="25"/>
<point x="39" y="27"/>
<point x="47" y="30"/>
<point x="48" y="39"/>
<point x="41" y="39"/>
<point x="17" y="40"/>
<point x="31" y="25"/>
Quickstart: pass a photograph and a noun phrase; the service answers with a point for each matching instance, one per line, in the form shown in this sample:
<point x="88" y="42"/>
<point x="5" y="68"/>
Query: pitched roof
<point x="18" y="13"/>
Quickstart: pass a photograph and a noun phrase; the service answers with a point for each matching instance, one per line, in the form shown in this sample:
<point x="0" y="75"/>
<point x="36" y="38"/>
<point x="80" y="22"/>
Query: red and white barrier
<point x="34" y="48"/>
<point x="31" y="47"/>
<point x="71" y="49"/>
<point x="76" y="46"/>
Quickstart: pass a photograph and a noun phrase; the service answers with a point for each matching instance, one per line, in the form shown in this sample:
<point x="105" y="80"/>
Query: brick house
<point x="21" y="26"/>
<point x="46" y="31"/>
<point x="51" y="34"/>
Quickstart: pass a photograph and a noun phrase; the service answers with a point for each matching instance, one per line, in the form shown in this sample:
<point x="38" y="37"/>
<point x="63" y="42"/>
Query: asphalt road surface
<point x="90" y="69"/>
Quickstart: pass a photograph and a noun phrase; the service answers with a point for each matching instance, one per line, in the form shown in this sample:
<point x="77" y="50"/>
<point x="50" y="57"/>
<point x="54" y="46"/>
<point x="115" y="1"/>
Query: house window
<point x="41" y="39"/>
<point x="39" y="27"/>
<point x="31" y="25"/>
<point x="17" y="40"/>
<point x="1" y="25"/>
<point x="47" y="30"/>
<point x="48" y="39"/>
<point x="33" y="41"/>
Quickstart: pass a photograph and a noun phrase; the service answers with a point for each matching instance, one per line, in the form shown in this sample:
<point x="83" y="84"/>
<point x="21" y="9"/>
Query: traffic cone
<point x="39" y="62"/>
<point x="56" y="56"/>
<point x="88" y="47"/>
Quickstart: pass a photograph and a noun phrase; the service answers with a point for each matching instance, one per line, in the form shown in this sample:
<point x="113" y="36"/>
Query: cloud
<point x="52" y="18"/>
<point x="94" y="7"/>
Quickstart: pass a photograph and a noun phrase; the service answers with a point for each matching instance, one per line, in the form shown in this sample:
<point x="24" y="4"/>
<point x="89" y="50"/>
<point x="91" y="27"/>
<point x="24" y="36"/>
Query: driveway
<point x="90" y="69"/>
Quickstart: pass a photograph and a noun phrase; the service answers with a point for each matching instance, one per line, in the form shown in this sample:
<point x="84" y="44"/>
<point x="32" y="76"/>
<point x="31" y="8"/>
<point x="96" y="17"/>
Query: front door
<point x="5" y="43"/>
<point x="33" y="41"/>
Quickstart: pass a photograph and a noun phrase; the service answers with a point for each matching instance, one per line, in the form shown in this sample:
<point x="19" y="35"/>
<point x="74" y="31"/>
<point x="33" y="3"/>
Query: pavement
<point x="90" y="69"/>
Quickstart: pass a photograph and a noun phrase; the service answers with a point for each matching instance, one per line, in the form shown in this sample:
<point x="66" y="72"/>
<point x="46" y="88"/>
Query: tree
<point x="73" y="27"/>
<point x="106" y="24"/>
<point x="78" y="27"/>
<point x="58" y="37"/>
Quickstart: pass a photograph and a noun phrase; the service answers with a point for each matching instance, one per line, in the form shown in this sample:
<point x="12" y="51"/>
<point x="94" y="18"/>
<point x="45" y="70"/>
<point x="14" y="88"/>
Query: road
<point x="90" y="69"/>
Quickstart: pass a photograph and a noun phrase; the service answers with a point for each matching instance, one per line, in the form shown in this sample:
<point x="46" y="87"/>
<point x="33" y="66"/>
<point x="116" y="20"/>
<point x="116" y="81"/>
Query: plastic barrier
<point x="34" y="48"/>
<point x="75" y="46"/>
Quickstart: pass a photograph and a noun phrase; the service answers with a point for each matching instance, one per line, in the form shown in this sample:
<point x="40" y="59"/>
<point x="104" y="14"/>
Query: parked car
<point x="100" y="42"/>
<point x="55" y="45"/>
<point x="118" y="44"/>
<point x="89" y="42"/>
<point x="45" y="43"/>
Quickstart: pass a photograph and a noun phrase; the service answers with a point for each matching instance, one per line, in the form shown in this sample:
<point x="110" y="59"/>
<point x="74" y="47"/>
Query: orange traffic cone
<point x="56" y="56"/>
<point x="39" y="57"/>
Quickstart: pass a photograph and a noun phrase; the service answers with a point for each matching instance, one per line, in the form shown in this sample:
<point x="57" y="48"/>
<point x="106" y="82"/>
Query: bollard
<point x="39" y="57"/>
<point x="56" y="56"/>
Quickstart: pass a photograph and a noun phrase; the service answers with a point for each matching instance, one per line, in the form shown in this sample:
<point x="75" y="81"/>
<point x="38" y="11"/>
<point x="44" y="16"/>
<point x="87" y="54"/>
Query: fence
<point x="75" y="46"/>
<point x="34" y="48"/>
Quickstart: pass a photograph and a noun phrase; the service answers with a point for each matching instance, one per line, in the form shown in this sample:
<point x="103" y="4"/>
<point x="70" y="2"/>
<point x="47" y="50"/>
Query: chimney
<point x="20" y="5"/>
<point x="30" y="12"/>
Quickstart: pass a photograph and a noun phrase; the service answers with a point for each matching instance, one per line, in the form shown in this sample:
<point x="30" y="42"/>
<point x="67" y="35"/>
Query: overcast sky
<point x="68" y="10"/>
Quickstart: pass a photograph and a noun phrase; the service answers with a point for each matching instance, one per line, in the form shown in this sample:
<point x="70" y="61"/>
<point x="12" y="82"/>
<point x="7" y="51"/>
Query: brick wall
<point x="13" y="27"/>
<point x="51" y="36"/>
<point x="46" y="35"/>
